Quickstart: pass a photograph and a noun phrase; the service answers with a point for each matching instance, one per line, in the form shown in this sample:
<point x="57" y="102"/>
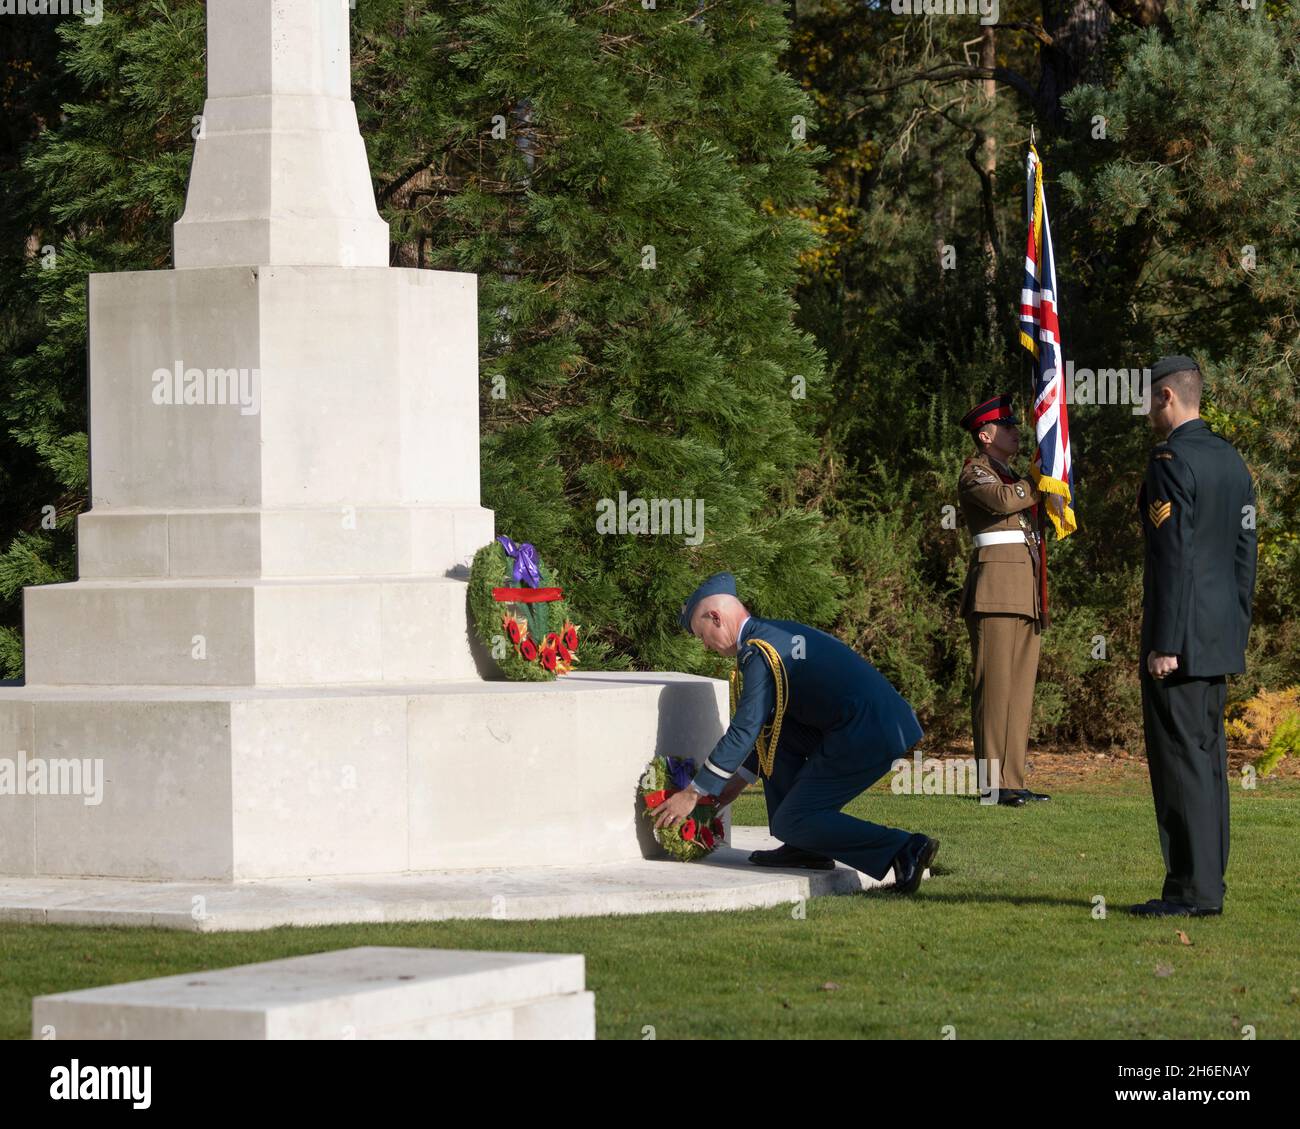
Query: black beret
<point x="1167" y="366"/>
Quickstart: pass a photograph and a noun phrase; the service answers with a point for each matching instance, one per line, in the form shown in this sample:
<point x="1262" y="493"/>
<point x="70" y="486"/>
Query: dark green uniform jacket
<point x="1197" y="507"/>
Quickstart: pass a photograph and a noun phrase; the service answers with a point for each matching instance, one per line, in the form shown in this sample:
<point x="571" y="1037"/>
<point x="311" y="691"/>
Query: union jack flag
<point x="1040" y="333"/>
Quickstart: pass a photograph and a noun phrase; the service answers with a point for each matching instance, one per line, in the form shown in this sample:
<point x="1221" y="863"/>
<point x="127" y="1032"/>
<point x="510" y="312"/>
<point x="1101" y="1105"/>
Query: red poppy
<point x="512" y="629"/>
<point x="688" y="830"/>
<point x="566" y="655"/>
<point x="707" y="836"/>
<point x="529" y="650"/>
<point x="570" y="636"/>
<point x="552" y="640"/>
<point x="654" y="799"/>
<point x="548" y="658"/>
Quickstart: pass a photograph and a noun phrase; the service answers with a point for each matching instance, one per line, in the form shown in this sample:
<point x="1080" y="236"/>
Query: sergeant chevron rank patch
<point x="1159" y="512"/>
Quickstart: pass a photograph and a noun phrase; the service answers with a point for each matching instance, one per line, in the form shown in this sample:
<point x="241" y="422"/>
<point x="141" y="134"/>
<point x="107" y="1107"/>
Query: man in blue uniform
<point x="820" y="722"/>
<point x="1197" y="507"/>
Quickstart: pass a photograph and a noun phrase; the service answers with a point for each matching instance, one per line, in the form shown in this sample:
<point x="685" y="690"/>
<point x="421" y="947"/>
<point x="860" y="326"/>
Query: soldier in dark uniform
<point x="820" y="723"/>
<point x="1197" y="508"/>
<point x="1000" y="602"/>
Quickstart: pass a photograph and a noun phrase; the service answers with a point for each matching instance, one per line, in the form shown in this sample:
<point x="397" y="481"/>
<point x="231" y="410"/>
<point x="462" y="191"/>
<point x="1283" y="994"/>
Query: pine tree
<point x="1153" y="220"/>
<point x="630" y="230"/>
<point x="99" y="192"/>
<point x="1184" y="174"/>
<point x="623" y="181"/>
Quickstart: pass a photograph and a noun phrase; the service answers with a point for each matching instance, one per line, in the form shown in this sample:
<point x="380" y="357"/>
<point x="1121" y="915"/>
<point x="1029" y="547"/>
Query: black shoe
<point x="1006" y="799"/>
<point x="1028" y="795"/>
<point x="1158" y="907"/>
<point x="788" y="856"/>
<point x="910" y="863"/>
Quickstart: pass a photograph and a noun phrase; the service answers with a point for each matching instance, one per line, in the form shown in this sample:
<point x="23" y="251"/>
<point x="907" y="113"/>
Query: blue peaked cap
<point x="719" y="582"/>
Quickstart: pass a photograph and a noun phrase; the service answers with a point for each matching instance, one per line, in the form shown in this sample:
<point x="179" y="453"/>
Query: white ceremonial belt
<point x="1000" y="537"/>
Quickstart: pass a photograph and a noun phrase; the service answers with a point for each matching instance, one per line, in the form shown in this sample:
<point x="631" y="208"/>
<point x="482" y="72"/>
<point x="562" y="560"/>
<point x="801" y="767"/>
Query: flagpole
<point x="1041" y="510"/>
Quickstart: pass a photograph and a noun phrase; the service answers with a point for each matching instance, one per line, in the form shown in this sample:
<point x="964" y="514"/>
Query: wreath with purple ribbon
<point x="519" y="612"/>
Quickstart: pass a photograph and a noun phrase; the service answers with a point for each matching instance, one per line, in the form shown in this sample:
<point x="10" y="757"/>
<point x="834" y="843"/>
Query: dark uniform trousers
<point x="1187" y="756"/>
<point x="1198" y="587"/>
<point x="842" y="727"/>
<point x="814" y="774"/>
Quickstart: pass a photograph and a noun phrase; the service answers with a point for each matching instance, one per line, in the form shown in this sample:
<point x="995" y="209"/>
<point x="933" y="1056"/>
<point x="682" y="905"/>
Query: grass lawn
<point x="1002" y="943"/>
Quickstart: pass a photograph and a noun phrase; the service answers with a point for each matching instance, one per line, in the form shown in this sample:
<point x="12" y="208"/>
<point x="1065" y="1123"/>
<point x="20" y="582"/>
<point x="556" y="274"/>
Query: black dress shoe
<point x="1028" y="795"/>
<point x="788" y="856"/>
<point x="1158" y="907"/>
<point x="1007" y="799"/>
<point x="910" y="863"/>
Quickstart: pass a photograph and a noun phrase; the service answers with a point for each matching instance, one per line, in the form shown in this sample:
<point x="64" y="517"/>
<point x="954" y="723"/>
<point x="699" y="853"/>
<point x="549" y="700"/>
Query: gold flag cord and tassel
<point x="769" y="735"/>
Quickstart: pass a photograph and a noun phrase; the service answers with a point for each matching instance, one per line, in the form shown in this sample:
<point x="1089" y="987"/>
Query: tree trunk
<point x="988" y="159"/>
<point x="1078" y="29"/>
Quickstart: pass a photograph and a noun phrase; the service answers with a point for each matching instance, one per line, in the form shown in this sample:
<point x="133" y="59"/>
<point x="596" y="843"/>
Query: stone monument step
<point x="248" y="632"/>
<point x="724" y="881"/>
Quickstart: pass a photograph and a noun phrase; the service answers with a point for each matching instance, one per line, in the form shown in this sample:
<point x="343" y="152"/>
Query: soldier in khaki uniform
<point x="1000" y="602"/>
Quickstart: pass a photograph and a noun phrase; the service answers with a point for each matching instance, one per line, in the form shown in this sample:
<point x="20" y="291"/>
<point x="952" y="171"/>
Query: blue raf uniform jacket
<point x="863" y="720"/>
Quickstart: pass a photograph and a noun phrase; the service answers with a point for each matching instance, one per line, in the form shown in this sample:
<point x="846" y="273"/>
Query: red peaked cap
<point x="995" y="410"/>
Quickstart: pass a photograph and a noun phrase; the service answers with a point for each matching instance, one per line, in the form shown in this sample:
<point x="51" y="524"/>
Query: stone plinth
<point x="363" y="993"/>
<point x="230" y="784"/>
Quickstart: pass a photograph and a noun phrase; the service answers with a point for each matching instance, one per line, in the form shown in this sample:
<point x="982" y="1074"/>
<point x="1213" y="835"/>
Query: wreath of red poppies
<point x="519" y="612"/>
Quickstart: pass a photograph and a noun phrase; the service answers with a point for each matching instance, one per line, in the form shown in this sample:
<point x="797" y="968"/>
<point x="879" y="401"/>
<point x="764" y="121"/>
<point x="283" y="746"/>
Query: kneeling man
<point x="821" y="724"/>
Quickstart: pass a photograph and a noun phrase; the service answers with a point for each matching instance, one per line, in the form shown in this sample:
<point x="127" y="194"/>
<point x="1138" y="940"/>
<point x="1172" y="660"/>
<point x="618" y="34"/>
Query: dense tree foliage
<point x="758" y="254"/>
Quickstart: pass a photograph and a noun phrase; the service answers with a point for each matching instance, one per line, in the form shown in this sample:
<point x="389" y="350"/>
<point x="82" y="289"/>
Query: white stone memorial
<point x="266" y="662"/>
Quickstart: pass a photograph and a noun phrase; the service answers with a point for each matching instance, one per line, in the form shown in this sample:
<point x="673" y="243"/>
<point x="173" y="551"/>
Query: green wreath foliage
<point x="696" y="838"/>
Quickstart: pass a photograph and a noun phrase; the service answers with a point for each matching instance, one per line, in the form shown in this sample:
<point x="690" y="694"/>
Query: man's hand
<point x="1158" y="665"/>
<point x="677" y="807"/>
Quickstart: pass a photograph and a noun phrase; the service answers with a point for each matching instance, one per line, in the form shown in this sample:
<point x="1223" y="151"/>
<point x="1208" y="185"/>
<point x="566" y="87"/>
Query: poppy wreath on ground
<point x="702" y="831"/>
<point x="519" y="613"/>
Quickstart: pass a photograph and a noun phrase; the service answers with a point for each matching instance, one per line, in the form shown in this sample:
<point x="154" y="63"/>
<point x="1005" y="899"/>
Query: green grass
<point x="1001" y="943"/>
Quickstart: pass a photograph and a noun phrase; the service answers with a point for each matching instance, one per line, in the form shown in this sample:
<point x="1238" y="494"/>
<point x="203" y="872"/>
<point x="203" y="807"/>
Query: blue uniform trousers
<point x="814" y="774"/>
